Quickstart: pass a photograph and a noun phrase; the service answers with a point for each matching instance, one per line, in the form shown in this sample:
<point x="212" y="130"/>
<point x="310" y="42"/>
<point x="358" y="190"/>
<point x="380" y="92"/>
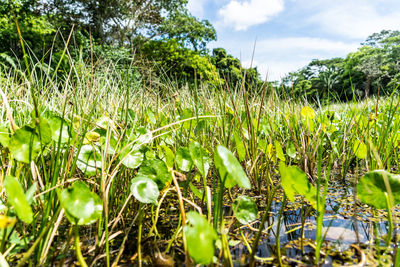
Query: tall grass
<point x="101" y="96"/>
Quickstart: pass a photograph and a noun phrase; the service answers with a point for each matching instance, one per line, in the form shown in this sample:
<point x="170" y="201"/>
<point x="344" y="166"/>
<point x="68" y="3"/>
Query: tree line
<point x="373" y="69"/>
<point x="164" y="35"/>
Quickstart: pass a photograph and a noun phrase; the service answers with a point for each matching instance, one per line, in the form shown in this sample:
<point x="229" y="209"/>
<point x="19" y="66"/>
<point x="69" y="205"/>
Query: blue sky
<point x="290" y="33"/>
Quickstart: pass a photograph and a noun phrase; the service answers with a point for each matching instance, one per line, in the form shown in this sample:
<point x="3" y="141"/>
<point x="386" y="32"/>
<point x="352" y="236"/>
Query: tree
<point x="132" y="23"/>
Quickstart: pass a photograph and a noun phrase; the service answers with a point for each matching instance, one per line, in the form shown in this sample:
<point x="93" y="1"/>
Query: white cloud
<point x="356" y="19"/>
<point x="241" y="15"/>
<point x="196" y="7"/>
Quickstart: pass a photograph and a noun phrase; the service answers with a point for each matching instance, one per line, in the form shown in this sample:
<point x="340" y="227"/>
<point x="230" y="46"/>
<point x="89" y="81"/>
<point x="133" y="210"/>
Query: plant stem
<point x="78" y="251"/>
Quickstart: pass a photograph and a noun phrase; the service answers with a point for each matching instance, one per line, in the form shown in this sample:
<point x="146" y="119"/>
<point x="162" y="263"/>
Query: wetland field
<point x="98" y="170"/>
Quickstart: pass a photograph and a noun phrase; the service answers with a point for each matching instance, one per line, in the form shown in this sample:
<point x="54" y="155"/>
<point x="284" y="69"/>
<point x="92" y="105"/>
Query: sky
<point x="288" y="34"/>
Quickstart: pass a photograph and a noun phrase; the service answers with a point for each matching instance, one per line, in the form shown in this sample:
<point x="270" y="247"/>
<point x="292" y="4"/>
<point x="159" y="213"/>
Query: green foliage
<point x="230" y="169"/>
<point x="145" y="190"/>
<point x="17" y="199"/>
<point x="27" y="142"/>
<point x="184" y="160"/>
<point x="294" y="181"/>
<point x="361" y="74"/>
<point x="200" y="158"/>
<point x="89" y="160"/>
<point x="156" y="170"/>
<point x="200" y="238"/>
<point x="245" y="209"/>
<point x="171" y="58"/>
<point x="81" y="205"/>
<point x="372" y="190"/>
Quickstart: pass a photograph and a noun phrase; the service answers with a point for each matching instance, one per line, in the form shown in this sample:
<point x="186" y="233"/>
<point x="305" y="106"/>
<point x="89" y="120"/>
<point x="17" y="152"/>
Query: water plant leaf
<point x="371" y="188"/>
<point x="168" y="156"/>
<point x="291" y="150"/>
<point x="294" y="180"/>
<point x="30" y="193"/>
<point x="230" y="169"/>
<point x="240" y="149"/>
<point x="245" y="209"/>
<point x="145" y="190"/>
<point x="150" y="115"/>
<point x="279" y="151"/>
<point x="89" y="160"/>
<point x="184" y="160"/>
<point x="307" y="113"/>
<point x="55" y="123"/>
<point x="112" y="144"/>
<point x="200" y="238"/>
<point x="360" y="149"/>
<point x="133" y="159"/>
<point x="81" y="205"/>
<point x="156" y="170"/>
<point x="17" y="199"/>
<point x="4" y="136"/>
<point x="200" y="158"/>
<point x="25" y="143"/>
<point x="91" y="137"/>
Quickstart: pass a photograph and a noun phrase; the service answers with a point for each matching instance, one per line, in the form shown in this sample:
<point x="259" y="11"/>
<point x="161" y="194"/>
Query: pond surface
<point x="348" y="229"/>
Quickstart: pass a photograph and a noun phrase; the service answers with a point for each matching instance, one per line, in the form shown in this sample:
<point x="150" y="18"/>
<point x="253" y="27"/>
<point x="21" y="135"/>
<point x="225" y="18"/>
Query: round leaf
<point x="24" y="144"/>
<point x="307" y="113"/>
<point x="184" y="160"/>
<point x="294" y="180"/>
<point x="17" y="199"/>
<point x="145" y="190"/>
<point x="200" y="158"/>
<point x="82" y="206"/>
<point x="360" y="149"/>
<point x="371" y="188"/>
<point x="89" y="160"/>
<point x="200" y="238"/>
<point x="245" y="209"/>
<point x="156" y="170"/>
<point x="229" y="167"/>
<point x="133" y="159"/>
<point x="4" y="136"/>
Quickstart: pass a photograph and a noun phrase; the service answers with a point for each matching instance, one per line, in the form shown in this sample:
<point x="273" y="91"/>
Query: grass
<point x="126" y="123"/>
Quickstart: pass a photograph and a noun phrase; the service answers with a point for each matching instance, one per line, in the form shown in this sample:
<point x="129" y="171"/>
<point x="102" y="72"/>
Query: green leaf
<point x="133" y="159"/>
<point x="113" y="143"/>
<point x="240" y="149"/>
<point x="145" y="190"/>
<point x="360" y="149"/>
<point x="81" y="205"/>
<point x="245" y="209"/>
<point x="294" y="180"/>
<point x="279" y="151"/>
<point x="156" y="170"/>
<point x="4" y="136"/>
<point x="200" y="158"/>
<point x="184" y="160"/>
<point x="307" y="113"/>
<point x="200" y="238"/>
<point x="198" y="193"/>
<point x="150" y="115"/>
<point x="291" y="151"/>
<point x="89" y="160"/>
<point x="371" y="188"/>
<point x="168" y="156"/>
<point x="30" y="193"/>
<point x="55" y="123"/>
<point x="17" y="198"/>
<point x="25" y="144"/>
<point x="228" y="166"/>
